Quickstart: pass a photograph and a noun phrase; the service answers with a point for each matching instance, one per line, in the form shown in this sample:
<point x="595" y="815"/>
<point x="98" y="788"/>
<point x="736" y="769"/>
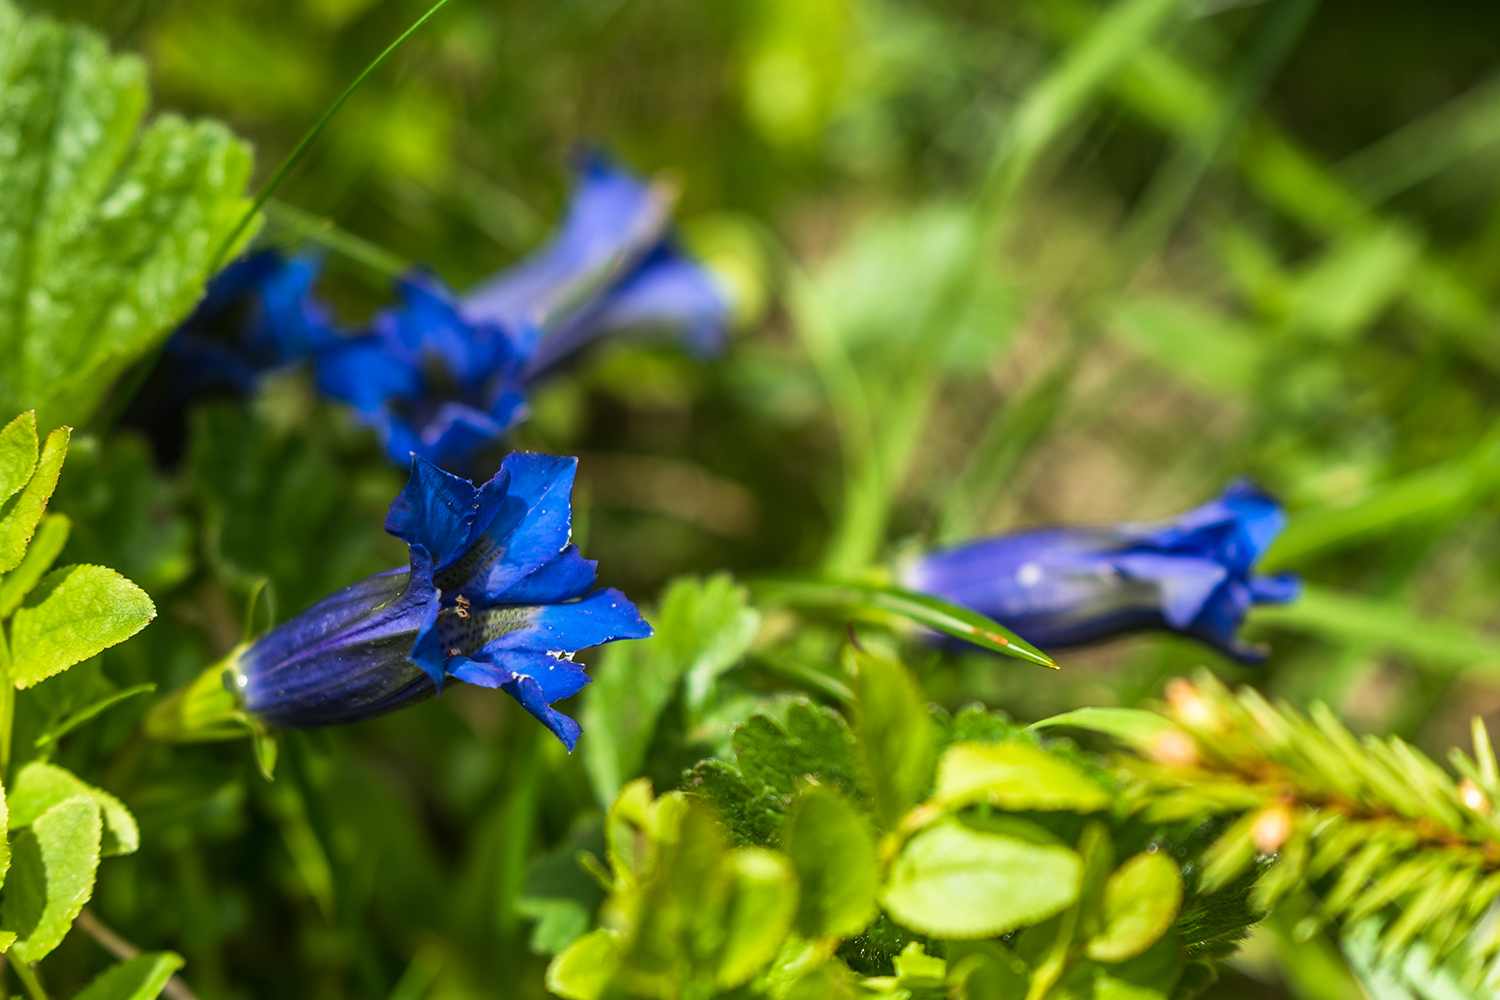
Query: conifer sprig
<point x="1372" y="826"/>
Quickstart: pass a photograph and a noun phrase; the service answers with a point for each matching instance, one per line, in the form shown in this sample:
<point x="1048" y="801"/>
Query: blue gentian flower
<point x="257" y="313"/>
<point x="494" y="595"/>
<point x="444" y="375"/>
<point x="429" y="381"/>
<point x="1061" y="587"/>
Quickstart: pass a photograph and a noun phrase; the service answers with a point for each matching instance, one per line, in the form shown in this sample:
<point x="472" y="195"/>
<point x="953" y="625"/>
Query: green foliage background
<point x="998" y="264"/>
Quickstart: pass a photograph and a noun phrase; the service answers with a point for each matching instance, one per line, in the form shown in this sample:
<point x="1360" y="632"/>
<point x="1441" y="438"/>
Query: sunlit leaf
<point x="20" y="514"/>
<point x="831" y="847"/>
<point x="1141" y="899"/>
<point x="954" y="882"/>
<point x="51" y="877"/>
<point x="106" y="229"/>
<point x="1015" y="776"/>
<point x="140" y="978"/>
<point x="74" y="613"/>
<point x="894" y="734"/>
<point x="46" y="545"/>
<point x="39" y="786"/>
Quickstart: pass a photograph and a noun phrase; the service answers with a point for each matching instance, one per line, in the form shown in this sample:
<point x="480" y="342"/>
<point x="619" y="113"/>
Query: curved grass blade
<point x="959" y="622"/>
<point x="295" y="156"/>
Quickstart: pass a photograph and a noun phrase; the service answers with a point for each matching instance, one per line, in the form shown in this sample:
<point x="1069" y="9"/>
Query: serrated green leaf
<point x="810" y="741"/>
<point x="39" y="786"/>
<point x="924" y="609"/>
<point x="52" y="876"/>
<point x="833" y="850"/>
<point x="76" y="612"/>
<point x="761" y="910"/>
<point x="953" y="882"/>
<point x="105" y="233"/>
<point x="1140" y="901"/>
<point x="141" y="978"/>
<point x="20" y="514"/>
<point x="4" y="838"/>
<point x="18" y="448"/>
<point x="894" y="733"/>
<point x="584" y="970"/>
<point x="46" y="545"/>
<point x="1015" y="776"/>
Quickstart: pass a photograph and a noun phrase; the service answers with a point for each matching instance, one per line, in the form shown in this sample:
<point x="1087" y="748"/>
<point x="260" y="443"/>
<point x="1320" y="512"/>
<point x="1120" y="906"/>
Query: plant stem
<point x="295" y="156"/>
<point x="28" y="979"/>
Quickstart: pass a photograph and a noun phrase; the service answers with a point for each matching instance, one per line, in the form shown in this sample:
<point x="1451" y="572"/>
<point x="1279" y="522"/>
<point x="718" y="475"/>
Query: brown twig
<point x="176" y="988"/>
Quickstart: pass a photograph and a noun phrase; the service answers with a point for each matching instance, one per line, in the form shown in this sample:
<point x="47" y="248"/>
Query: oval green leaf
<point x="833" y="851"/>
<point x="953" y="882"/>
<point x="1141" y="899"/>
<point x="1015" y="776"/>
<point x="74" y="613"/>
<point x="52" y="876"/>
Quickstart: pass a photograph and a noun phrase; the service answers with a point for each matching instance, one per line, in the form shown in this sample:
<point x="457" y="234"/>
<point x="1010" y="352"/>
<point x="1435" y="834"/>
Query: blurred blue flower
<point x="257" y="314"/>
<point x="444" y="375"/>
<point x="494" y="595"/>
<point x="1068" y="586"/>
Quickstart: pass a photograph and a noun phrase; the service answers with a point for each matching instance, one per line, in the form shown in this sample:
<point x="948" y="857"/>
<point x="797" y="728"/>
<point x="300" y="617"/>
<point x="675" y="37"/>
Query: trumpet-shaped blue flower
<point x="494" y="595"/>
<point x="1068" y="586"/>
<point x="444" y="375"/>
<point x="258" y="313"/>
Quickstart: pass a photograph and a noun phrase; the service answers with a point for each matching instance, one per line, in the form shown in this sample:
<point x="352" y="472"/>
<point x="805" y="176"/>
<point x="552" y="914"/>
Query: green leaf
<point x="52" y="876"/>
<point x="40" y="786"/>
<point x="1141" y="899"/>
<point x="1015" y="776"/>
<point x="584" y="970"/>
<point x="761" y="911"/>
<point x="923" y="609"/>
<point x="702" y="629"/>
<point x="4" y="838"/>
<point x="1132" y="726"/>
<point x="76" y="612"/>
<point x="985" y="970"/>
<point x="20" y="514"/>
<point x="46" y="546"/>
<point x="831" y="847"/>
<point x="141" y="978"/>
<point x="18" y="445"/>
<point x="894" y="733"/>
<point x="105" y="232"/>
<point x="954" y="882"/>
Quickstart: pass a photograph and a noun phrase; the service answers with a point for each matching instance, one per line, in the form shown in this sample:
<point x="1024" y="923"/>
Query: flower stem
<point x="295" y="156"/>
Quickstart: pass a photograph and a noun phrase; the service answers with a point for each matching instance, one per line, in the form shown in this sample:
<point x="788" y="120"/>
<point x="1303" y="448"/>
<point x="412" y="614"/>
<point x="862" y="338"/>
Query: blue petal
<point x="613" y="221"/>
<point x="435" y="510"/>
<point x="1185" y="583"/>
<point x="524" y="685"/>
<point x="346" y="657"/>
<point x="531" y="529"/>
<point x="603" y="616"/>
<point x="667" y="292"/>
<point x="567" y="576"/>
<point x="362" y="372"/>
<point x="426" y="651"/>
